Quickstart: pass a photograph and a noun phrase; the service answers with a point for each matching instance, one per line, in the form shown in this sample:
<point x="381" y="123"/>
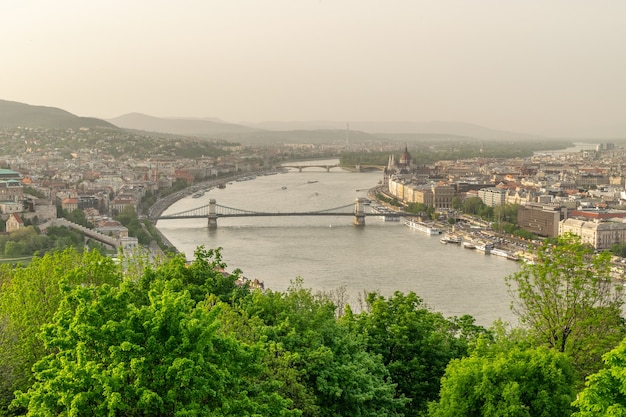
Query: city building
<point x="11" y="190"/>
<point x="599" y="234"/>
<point x="492" y="196"/>
<point x="541" y="219"/>
<point x="14" y="222"/>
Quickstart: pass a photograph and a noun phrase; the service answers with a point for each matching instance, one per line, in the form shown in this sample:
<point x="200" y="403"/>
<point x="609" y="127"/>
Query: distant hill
<point x="440" y="128"/>
<point x="316" y="136"/>
<point x="14" y="114"/>
<point x="179" y="126"/>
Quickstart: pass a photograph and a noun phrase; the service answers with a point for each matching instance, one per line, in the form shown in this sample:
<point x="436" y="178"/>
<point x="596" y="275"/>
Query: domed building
<point x="403" y="166"/>
<point x="405" y="158"/>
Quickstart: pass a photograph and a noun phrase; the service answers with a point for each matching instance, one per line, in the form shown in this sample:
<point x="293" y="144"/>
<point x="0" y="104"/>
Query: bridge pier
<point x="212" y="217"/>
<point x="359" y="212"/>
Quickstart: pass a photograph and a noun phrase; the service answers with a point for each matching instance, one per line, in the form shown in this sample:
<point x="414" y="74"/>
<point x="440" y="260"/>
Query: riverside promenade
<point x="162" y="204"/>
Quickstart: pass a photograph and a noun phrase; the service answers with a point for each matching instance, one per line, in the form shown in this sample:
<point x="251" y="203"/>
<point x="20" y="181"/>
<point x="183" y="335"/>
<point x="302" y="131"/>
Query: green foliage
<point x="129" y="219"/>
<point x="27" y="241"/>
<point x="119" y="354"/>
<point x="415" y="343"/>
<point x="334" y="374"/>
<point x="205" y="275"/>
<point x="569" y="301"/>
<point x="77" y="216"/>
<point x="433" y="148"/>
<point x="29" y="297"/>
<point x="82" y="335"/>
<point x="619" y="249"/>
<point x="515" y="230"/>
<point x="421" y="209"/>
<point x="473" y="205"/>
<point x="508" y="382"/>
<point x="506" y="213"/>
<point x="361" y="158"/>
<point x="392" y="201"/>
<point x="22" y="242"/>
<point x="35" y="193"/>
<point x="604" y="392"/>
<point x="64" y="237"/>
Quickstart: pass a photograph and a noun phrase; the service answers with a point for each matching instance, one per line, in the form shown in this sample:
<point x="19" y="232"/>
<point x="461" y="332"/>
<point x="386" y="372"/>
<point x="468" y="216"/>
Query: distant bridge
<point x="213" y="211"/>
<point x="328" y="167"/>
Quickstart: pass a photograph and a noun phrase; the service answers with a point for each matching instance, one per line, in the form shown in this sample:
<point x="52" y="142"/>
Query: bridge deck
<point x="204" y="216"/>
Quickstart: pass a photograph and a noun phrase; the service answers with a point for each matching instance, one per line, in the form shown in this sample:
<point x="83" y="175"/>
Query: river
<point x="330" y="253"/>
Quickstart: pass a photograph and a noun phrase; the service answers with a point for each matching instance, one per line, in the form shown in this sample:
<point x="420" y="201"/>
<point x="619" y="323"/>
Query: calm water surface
<point x="329" y="252"/>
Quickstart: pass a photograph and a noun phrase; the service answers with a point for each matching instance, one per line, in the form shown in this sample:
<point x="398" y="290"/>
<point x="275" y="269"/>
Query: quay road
<point x="509" y="243"/>
<point x="162" y="204"/>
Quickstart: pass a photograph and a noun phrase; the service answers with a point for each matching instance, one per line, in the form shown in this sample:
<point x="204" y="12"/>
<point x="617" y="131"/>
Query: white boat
<point x="484" y="247"/>
<point x="450" y="238"/>
<point x="512" y="257"/>
<point x="469" y="245"/>
<point x="389" y="217"/>
<point x="505" y="254"/>
<point x="385" y="214"/>
<point x="499" y="252"/>
<point x="423" y="227"/>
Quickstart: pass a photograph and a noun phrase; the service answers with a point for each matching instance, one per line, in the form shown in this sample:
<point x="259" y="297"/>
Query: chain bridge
<point x="213" y="211"/>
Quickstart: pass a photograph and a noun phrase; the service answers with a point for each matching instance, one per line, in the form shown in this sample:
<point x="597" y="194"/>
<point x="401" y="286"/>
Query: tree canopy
<point x="512" y="382"/>
<point x="84" y="335"/>
<point x="29" y="298"/>
<point x="605" y="393"/>
<point x="569" y="301"/>
<point x="414" y="342"/>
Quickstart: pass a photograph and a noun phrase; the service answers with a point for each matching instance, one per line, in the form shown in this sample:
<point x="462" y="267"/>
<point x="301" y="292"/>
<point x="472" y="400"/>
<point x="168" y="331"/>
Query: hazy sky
<point x="539" y="66"/>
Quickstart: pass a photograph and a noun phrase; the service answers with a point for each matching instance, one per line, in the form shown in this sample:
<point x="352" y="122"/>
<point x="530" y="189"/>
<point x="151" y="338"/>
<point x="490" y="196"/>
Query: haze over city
<point x="549" y="68"/>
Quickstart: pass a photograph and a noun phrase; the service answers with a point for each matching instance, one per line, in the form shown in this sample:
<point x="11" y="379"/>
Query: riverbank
<point x="518" y="248"/>
<point x="162" y="204"/>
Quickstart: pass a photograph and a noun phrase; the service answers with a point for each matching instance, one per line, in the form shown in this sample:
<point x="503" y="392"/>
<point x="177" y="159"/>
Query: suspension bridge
<point x="213" y="211"/>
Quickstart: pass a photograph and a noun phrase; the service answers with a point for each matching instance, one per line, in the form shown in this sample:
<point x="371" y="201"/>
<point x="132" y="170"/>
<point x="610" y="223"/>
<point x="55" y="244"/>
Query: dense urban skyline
<point x="553" y="68"/>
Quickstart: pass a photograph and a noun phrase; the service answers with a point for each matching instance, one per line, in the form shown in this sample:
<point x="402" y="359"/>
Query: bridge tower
<point x="359" y="212"/>
<point x="212" y="218"/>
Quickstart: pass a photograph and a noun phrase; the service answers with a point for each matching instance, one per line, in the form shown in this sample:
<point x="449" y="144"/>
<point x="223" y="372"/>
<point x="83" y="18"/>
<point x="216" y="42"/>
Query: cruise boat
<point x="423" y="227"/>
<point x="505" y="254"/>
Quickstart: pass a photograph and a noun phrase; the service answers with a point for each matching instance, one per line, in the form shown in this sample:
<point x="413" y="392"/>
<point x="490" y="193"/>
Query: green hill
<point x="14" y="114"/>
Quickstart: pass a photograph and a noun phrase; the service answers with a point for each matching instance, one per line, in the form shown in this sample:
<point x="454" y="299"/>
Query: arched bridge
<point x="213" y="211"/>
<point x="327" y="167"/>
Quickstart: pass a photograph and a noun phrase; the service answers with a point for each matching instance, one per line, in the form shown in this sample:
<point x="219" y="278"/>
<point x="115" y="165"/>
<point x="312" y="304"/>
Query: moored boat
<point x="427" y="228"/>
<point x="484" y="247"/>
<point x="512" y="257"/>
<point x="450" y="238"/>
<point x="499" y="252"/>
<point x="385" y="214"/>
